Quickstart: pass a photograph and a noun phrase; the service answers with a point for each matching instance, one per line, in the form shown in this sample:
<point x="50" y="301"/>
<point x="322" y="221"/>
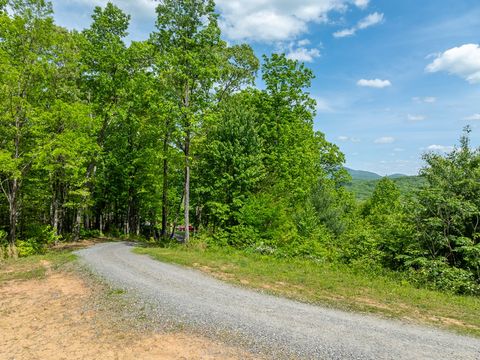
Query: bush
<point x="29" y="247"/>
<point x="3" y="244"/>
<point x="38" y="239"/>
<point x="242" y="236"/>
<point x="89" y="234"/>
<point x="437" y="274"/>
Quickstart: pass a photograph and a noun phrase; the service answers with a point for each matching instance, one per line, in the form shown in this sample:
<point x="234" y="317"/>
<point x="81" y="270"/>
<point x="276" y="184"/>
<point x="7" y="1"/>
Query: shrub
<point x="437" y="274"/>
<point x="38" y="239"/>
<point x="89" y="234"/>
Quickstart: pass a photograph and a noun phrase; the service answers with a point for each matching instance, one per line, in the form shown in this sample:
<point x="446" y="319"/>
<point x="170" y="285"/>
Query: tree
<point x="230" y="161"/>
<point x="287" y="113"/>
<point x="104" y="78"/>
<point x="26" y="50"/>
<point x="192" y="62"/>
<point x="448" y="211"/>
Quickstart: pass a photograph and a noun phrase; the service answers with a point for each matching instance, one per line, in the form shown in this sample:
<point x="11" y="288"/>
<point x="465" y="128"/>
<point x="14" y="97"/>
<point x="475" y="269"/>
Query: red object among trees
<point x="182" y="228"/>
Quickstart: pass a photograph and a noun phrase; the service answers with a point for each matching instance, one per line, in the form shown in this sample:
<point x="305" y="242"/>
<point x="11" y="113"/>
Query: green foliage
<point x="447" y="217"/>
<point x="439" y="275"/>
<point x="100" y="136"/>
<point x="363" y="189"/>
<point x="349" y="287"/>
<point x="38" y="240"/>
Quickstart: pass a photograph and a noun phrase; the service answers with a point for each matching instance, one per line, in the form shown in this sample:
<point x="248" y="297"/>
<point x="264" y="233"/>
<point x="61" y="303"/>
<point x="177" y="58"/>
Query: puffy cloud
<point x="303" y="42"/>
<point x="374" y="83"/>
<point x="362" y="4"/>
<point x="440" y="148"/>
<point x="252" y="20"/>
<point x="370" y="20"/>
<point x="345" y="33"/>
<point x="303" y="54"/>
<point x="474" y="117"/>
<point x="385" y="140"/>
<point x="273" y="20"/>
<point x="416" y="117"/>
<point x="299" y="50"/>
<point x="463" y="61"/>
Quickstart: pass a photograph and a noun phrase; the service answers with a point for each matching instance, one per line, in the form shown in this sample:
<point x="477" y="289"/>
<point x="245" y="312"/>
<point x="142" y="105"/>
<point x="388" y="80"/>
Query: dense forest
<point x="100" y="136"/>
<point x="363" y="189"/>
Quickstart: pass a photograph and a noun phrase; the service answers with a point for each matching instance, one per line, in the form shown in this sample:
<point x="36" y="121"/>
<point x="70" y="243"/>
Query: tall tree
<point x="287" y="113"/>
<point x="448" y="212"/>
<point x="193" y="60"/>
<point x="105" y="73"/>
<point x="26" y="60"/>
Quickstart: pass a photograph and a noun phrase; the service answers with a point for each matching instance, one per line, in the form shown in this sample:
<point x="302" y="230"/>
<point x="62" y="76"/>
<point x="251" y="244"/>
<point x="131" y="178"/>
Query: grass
<point x="33" y="267"/>
<point x="336" y="286"/>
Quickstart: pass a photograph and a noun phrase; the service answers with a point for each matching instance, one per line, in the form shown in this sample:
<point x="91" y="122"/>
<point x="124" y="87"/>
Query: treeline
<point x="103" y="136"/>
<point x="363" y="189"/>
<point x="100" y="136"/>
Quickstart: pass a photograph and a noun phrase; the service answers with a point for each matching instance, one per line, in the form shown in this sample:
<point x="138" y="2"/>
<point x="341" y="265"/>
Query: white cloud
<point x="362" y="4"/>
<point x="253" y="20"/>
<point x="273" y="20"/>
<point x="463" y="61"/>
<point x="303" y="54"/>
<point x="399" y="150"/>
<point x="348" y="138"/>
<point x="345" y="33"/>
<point x="474" y="117"/>
<point x="426" y="100"/>
<point x="440" y="148"/>
<point x="416" y="117"/>
<point x="385" y="140"/>
<point x="370" y="20"/>
<point x="374" y="83"/>
<point x="303" y="42"/>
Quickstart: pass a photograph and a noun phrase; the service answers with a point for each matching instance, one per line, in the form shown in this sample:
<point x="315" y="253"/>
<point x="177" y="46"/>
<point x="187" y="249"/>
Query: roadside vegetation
<point x="338" y="286"/>
<point x="102" y="137"/>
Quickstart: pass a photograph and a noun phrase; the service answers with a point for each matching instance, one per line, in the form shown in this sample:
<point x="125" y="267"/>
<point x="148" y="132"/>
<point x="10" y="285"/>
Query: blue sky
<point x="393" y="78"/>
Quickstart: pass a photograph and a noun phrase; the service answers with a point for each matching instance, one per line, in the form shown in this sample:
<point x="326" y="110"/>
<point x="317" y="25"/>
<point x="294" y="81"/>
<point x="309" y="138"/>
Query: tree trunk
<point x="13" y="218"/>
<point x="77" y="225"/>
<point x="55" y="211"/>
<point x="165" y="189"/>
<point x="187" y="188"/>
<point x="175" y="222"/>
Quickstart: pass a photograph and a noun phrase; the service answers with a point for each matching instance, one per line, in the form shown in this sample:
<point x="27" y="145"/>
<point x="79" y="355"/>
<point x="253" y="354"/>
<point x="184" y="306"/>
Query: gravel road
<point x="275" y="326"/>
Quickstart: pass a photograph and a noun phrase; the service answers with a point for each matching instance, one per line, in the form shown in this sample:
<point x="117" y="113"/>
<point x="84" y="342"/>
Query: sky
<point x="394" y="79"/>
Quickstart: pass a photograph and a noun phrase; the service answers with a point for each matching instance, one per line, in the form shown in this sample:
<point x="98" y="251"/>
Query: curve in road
<point x="279" y="327"/>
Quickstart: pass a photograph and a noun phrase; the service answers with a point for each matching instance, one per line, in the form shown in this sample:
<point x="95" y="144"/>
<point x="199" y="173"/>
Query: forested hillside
<point x="362" y="175"/>
<point x="100" y="136"/>
<point x="363" y="189"/>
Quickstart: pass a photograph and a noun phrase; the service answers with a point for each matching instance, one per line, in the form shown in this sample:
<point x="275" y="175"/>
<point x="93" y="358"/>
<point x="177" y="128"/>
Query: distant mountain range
<point x="368" y="175"/>
<point x="363" y="183"/>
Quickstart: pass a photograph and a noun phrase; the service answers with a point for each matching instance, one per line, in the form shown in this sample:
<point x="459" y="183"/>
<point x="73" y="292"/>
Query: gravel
<point x="273" y="326"/>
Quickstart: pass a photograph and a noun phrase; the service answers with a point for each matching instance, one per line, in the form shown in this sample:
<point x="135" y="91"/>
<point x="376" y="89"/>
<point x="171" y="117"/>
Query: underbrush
<point x="355" y="286"/>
